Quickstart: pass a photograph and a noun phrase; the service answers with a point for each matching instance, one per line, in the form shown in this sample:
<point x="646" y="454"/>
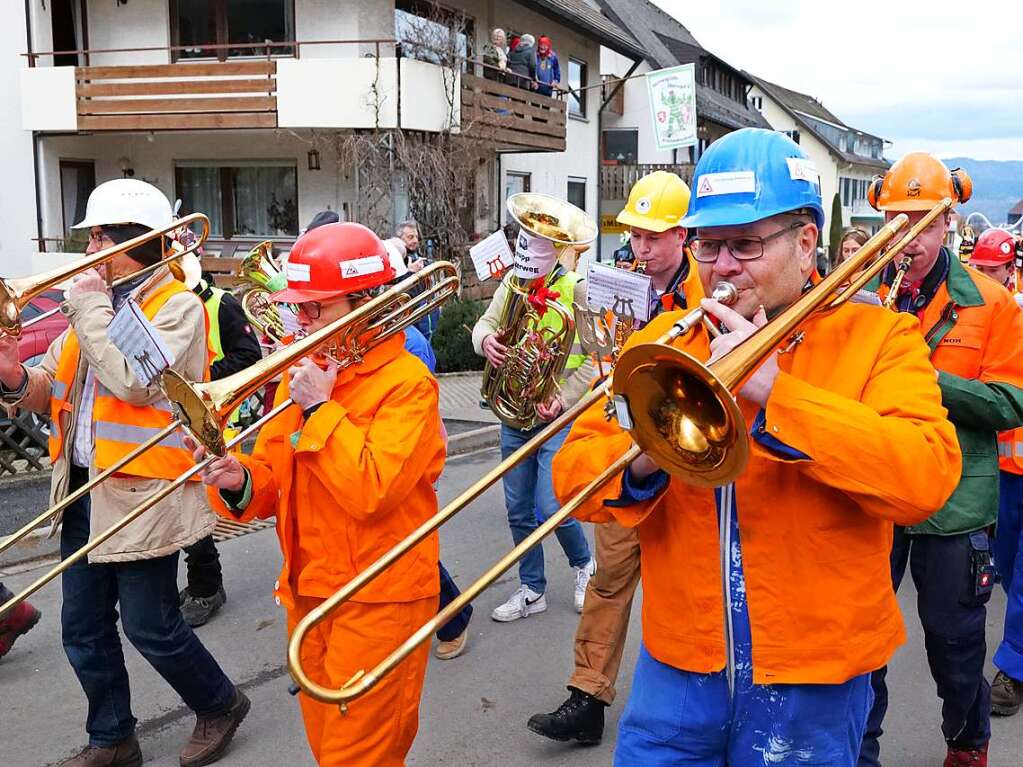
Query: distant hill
<point x="997" y="186"/>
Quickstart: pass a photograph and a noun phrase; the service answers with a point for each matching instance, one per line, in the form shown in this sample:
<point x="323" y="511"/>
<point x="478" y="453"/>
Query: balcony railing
<point x="512" y="117"/>
<point x="617" y="180"/>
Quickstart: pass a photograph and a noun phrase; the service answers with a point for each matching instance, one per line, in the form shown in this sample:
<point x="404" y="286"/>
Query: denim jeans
<point x="529" y="498"/>
<point x="147" y="594"/>
<point x="448" y="593"/>
<point x="953" y="617"/>
<point x="1008" y="550"/>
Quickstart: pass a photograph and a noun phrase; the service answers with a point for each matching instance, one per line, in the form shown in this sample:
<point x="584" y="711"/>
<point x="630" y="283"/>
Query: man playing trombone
<point x="767" y="601"/>
<point x="99" y="411"/>
<point x="348" y="470"/>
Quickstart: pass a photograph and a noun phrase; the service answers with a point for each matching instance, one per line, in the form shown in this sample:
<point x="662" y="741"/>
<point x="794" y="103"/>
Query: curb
<point x="475" y="439"/>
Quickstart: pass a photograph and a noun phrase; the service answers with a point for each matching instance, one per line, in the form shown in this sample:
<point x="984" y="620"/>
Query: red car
<point x="35" y="340"/>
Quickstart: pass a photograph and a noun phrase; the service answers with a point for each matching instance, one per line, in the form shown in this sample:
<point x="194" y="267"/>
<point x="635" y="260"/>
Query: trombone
<point x="203" y="408"/>
<point x="671" y="376"/>
<point x="16" y="294"/>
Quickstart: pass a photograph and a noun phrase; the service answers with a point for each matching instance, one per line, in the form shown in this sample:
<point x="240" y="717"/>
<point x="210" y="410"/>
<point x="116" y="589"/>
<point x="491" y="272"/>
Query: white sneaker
<point x="582" y="577"/>
<point x="521" y="604"/>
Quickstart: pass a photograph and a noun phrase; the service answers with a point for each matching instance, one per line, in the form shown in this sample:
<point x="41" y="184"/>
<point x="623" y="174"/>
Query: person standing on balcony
<point x="100" y="411"/>
<point x="495" y="56"/>
<point x="522" y="63"/>
<point x="234" y="347"/>
<point x="548" y="69"/>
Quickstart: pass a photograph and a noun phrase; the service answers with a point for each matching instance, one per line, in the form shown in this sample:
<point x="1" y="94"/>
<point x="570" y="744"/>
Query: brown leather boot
<point x="212" y="734"/>
<point x="125" y="754"/>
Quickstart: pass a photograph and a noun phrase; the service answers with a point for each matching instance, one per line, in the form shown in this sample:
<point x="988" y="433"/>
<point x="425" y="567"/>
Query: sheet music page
<point x="140" y="343"/>
<point x="491" y="256"/>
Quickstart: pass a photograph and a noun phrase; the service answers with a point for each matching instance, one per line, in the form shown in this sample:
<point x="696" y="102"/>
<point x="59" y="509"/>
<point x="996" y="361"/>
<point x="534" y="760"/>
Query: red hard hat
<point x="993" y="248"/>
<point x="334" y="260"/>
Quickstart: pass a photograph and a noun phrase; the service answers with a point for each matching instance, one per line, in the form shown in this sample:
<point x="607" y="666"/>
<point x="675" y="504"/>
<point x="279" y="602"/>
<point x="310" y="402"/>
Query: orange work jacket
<point x="353" y="480"/>
<point x="859" y="397"/>
<point x="118" y="427"/>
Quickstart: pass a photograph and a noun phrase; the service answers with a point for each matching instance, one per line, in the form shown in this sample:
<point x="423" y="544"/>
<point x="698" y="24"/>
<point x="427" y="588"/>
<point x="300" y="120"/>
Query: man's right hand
<point x="494" y="350"/>
<point x="12" y="372"/>
<point x="226" y="473"/>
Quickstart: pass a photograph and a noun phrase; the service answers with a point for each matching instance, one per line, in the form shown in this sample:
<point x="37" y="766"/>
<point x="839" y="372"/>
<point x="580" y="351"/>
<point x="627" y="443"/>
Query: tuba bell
<point x="537" y="353"/>
<point x="260" y="275"/>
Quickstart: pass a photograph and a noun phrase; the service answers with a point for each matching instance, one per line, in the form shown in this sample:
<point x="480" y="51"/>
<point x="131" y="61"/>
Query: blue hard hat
<point x="749" y="175"/>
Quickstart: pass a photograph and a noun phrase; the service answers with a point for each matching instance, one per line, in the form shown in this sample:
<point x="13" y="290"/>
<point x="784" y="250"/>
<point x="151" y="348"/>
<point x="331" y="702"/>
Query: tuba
<point x="537" y="355"/>
<point x="261" y="275"/>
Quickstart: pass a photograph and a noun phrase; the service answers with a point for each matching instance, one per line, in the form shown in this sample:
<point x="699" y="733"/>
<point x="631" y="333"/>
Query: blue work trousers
<point x="952" y="614"/>
<point x="529" y="498"/>
<point x="448" y="593"/>
<point x="1008" y="551"/>
<point x="147" y="593"/>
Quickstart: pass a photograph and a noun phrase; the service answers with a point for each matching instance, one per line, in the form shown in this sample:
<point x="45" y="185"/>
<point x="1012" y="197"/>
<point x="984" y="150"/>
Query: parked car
<point x="35" y="340"/>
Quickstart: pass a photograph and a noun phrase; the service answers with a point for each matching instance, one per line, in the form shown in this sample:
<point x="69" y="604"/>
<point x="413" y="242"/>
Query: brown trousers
<point x="600" y="638"/>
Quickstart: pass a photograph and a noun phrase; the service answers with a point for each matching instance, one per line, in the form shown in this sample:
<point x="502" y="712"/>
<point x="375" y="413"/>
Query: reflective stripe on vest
<point x="213" y="313"/>
<point x="1010" y="451"/>
<point x="565" y="287"/>
<point x="118" y="427"/>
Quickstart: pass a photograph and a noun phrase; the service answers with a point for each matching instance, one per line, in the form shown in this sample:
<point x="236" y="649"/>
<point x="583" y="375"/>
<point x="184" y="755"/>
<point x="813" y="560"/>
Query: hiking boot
<point x="580" y="718"/>
<point x="966" y="757"/>
<point x="1006" y="694"/>
<point x="212" y="734"/>
<point x="19" y="621"/>
<point x="452" y="648"/>
<point x="125" y="754"/>
<point x="521" y="604"/>
<point x="198" y="610"/>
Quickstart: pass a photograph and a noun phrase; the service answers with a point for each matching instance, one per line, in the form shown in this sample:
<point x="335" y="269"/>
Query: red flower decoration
<point x="539" y="294"/>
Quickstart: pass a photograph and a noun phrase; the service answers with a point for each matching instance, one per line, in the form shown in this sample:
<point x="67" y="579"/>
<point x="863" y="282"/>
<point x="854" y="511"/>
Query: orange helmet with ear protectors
<point x="918" y="181"/>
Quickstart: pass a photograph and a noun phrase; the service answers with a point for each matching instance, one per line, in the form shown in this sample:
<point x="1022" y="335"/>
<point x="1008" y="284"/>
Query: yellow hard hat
<point x="657" y="202"/>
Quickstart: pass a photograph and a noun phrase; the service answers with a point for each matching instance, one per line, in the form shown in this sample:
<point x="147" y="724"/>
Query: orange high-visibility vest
<point x="118" y="427"/>
<point x="1010" y="451"/>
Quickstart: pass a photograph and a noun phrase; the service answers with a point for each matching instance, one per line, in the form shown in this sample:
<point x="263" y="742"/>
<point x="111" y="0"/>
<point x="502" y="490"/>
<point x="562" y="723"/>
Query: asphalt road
<point x="474" y="708"/>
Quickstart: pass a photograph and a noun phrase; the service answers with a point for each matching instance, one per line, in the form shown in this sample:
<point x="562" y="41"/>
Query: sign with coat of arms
<point x="672" y="96"/>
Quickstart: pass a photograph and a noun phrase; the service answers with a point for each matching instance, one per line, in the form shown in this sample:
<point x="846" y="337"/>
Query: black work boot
<point x="1006" y="695"/>
<point x="580" y="718"/>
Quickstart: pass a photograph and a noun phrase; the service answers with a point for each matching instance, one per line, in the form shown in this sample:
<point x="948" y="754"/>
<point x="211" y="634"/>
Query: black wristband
<point x="308" y="412"/>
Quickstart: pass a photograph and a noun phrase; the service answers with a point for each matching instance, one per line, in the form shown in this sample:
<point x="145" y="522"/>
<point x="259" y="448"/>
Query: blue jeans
<point x="147" y="593"/>
<point x="1008" y="551"/>
<point x="952" y="615"/>
<point x="448" y="593"/>
<point x="529" y="498"/>
<point x="677" y="717"/>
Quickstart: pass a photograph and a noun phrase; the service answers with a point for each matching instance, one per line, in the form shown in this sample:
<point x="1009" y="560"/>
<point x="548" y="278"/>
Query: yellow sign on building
<point x="608" y="224"/>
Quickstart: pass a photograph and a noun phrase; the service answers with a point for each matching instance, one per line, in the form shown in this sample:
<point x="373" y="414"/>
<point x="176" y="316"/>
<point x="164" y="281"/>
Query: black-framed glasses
<point x="748" y="248"/>
<point x="310" y="309"/>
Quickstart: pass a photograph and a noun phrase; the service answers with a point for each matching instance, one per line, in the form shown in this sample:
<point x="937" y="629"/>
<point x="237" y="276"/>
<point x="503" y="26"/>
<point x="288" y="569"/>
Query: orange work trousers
<point x="600" y="638"/>
<point x="378" y="728"/>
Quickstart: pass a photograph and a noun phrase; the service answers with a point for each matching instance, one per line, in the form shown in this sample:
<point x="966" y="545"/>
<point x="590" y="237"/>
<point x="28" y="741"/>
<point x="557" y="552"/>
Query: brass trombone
<point x="16" y="294"/>
<point x="203" y="408"/>
<point x="674" y="377"/>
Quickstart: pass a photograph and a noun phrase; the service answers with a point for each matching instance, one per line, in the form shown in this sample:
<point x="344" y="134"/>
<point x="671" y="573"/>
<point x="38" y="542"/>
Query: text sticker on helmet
<point x="801" y="169"/>
<point x="733" y="182"/>
<point x="298" y="272"/>
<point x="359" y="267"/>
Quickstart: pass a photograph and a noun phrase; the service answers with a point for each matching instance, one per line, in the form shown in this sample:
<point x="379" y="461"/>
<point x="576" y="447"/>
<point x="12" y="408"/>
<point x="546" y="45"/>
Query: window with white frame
<point x="257" y="199"/>
<point x="577" y="191"/>
<point x="576" y="83"/>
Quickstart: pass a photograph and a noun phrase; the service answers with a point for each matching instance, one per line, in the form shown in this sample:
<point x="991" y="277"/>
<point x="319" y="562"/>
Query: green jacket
<point x="975" y="332"/>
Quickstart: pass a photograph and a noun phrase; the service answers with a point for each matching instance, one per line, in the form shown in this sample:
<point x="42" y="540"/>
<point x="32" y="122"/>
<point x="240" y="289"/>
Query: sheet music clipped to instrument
<point x="140" y="343"/>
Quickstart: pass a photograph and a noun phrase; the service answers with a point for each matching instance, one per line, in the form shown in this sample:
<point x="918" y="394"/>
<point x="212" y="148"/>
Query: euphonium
<point x="260" y="273"/>
<point x="537" y="355"/>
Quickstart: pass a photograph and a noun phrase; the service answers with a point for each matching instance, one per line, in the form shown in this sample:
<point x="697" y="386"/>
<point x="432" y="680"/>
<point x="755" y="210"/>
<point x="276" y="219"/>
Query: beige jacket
<point x="184" y="517"/>
<point x="576" y="384"/>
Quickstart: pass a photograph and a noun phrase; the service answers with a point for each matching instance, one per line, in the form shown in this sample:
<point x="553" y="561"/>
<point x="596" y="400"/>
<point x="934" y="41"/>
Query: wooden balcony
<point x="617" y="180"/>
<point x="514" y="119"/>
<point x="231" y="94"/>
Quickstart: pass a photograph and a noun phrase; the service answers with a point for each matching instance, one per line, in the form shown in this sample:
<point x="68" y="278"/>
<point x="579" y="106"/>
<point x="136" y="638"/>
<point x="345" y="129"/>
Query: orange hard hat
<point x="918" y="181"/>
<point x="334" y="260"/>
<point x="995" y="247"/>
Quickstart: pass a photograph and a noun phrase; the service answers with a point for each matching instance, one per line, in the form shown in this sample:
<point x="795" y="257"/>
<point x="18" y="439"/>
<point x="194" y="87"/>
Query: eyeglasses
<point x="706" y="250"/>
<point x="310" y="309"/>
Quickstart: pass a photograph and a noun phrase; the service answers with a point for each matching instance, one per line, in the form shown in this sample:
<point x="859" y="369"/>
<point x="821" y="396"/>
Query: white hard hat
<point x="126" y="201"/>
<point x="192" y="268"/>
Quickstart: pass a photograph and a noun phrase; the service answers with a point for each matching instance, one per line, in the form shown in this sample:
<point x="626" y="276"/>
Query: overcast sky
<point x="937" y="75"/>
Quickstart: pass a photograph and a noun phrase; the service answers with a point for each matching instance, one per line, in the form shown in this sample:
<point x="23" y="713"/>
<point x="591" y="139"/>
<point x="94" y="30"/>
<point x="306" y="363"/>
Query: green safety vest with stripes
<point x="565" y="287"/>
